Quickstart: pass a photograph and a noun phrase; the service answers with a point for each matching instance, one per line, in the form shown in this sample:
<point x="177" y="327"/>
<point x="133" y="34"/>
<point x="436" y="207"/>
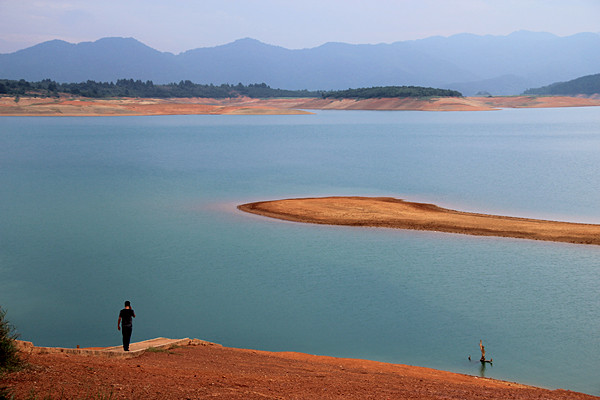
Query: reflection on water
<point x="483" y="367"/>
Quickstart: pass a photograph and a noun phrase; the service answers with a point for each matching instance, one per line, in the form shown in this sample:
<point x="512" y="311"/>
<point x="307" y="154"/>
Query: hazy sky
<point x="179" y="25"/>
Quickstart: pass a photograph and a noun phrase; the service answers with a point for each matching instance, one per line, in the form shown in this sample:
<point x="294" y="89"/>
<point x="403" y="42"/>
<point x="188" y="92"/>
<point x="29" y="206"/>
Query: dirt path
<point x="135" y="349"/>
<point x="395" y="213"/>
<point x="206" y="370"/>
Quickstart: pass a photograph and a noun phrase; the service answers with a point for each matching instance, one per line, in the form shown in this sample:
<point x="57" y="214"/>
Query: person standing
<point x="126" y="315"/>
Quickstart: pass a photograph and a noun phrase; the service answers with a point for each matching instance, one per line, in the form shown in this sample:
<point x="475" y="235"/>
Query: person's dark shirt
<point x="126" y="316"/>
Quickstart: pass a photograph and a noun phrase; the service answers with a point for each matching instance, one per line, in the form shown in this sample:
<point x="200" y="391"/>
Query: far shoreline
<point x="79" y="106"/>
<point x="387" y="212"/>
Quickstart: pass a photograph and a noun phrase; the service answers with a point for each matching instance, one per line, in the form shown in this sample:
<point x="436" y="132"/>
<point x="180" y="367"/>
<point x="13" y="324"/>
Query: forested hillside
<point x="589" y="85"/>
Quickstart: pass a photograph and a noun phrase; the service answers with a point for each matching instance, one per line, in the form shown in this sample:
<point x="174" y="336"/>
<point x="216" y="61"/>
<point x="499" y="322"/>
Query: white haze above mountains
<point x="500" y="65"/>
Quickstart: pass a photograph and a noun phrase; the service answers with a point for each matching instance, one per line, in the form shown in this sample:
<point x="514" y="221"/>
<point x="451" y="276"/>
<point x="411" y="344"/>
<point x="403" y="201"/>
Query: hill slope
<point x="588" y="85"/>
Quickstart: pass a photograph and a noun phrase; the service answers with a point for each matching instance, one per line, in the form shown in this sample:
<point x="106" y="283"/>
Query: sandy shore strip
<point x="450" y="103"/>
<point x="387" y="212"/>
<point x="86" y="107"/>
<point x="70" y="106"/>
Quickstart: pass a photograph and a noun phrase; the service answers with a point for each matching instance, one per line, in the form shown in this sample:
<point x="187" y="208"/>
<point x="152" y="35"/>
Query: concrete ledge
<point x="135" y="349"/>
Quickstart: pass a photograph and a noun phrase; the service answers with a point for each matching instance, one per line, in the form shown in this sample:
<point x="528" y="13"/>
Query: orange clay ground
<point x="202" y="370"/>
<point x="67" y="106"/>
<point x="394" y="213"/>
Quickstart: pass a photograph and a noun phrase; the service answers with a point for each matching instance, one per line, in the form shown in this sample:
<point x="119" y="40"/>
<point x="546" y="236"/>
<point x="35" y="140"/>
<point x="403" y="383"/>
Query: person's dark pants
<point x="126" y="330"/>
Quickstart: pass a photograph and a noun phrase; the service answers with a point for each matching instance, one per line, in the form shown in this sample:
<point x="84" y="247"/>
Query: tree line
<point x="147" y="89"/>
<point x="391" y="92"/>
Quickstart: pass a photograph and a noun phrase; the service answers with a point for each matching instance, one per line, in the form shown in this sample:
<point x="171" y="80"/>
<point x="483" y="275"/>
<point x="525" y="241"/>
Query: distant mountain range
<point x="499" y="65"/>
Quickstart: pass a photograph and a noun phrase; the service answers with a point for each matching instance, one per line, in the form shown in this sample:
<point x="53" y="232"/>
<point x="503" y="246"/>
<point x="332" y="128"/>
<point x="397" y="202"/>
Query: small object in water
<point x="482" y="359"/>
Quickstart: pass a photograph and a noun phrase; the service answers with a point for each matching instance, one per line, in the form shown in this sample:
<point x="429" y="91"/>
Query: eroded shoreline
<point x="387" y="212"/>
<point x="72" y="106"/>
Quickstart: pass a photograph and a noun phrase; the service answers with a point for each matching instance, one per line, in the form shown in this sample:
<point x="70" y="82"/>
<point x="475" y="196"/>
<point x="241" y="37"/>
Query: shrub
<point x="9" y="355"/>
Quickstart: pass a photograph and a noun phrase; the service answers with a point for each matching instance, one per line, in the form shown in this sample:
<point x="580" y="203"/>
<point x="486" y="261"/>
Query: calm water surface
<point x="96" y="211"/>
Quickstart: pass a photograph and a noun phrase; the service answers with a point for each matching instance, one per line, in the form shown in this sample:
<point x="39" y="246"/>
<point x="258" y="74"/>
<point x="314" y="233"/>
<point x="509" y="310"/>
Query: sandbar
<point x="387" y="212"/>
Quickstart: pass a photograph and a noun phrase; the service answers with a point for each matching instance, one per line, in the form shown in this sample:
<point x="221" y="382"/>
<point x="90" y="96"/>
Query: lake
<point x="99" y="210"/>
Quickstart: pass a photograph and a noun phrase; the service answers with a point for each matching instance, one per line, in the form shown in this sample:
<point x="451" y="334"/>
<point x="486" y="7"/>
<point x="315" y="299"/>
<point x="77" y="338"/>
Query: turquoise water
<point x="96" y="211"/>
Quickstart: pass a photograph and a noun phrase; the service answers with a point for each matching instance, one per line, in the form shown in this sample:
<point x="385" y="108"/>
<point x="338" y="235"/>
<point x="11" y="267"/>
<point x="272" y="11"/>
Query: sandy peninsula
<point x="202" y="370"/>
<point x="71" y="106"/>
<point x="388" y="212"/>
